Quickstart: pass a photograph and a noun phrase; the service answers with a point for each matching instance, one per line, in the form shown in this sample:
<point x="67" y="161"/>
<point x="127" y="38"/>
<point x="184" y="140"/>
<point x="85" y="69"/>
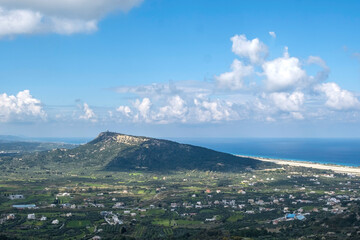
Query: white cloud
<point x="234" y="80"/>
<point x="279" y="89"/>
<point x="287" y="102"/>
<point x="69" y="26"/>
<point x="143" y="108"/>
<point x="317" y="60"/>
<point x="13" y="22"/>
<point x="254" y="50"/>
<point x="56" y="16"/>
<point x="212" y="111"/>
<point x="283" y="73"/>
<point x="297" y="115"/>
<point x="176" y="108"/>
<point x="19" y="22"/>
<point x="125" y="110"/>
<point x="323" y="74"/>
<point x="88" y="114"/>
<point x="337" y="98"/>
<point x="22" y="107"/>
<point x="83" y="9"/>
<point x="272" y="34"/>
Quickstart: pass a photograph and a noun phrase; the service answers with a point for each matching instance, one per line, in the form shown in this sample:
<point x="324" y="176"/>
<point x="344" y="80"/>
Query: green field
<point x="78" y="223"/>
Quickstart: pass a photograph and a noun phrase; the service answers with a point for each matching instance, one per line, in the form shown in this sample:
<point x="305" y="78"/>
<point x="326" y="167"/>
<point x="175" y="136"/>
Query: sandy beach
<point x="335" y="168"/>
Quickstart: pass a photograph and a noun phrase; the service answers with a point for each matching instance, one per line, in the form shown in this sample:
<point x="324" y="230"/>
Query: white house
<point x="17" y="196"/>
<point x="55" y="222"/>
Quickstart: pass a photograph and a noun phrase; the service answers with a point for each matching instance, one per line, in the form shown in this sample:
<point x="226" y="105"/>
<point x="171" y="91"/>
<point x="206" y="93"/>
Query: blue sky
<point x="180" y="69"/>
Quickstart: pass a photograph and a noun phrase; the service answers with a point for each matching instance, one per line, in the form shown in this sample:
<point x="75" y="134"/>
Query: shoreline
<point x="322" y="166"/>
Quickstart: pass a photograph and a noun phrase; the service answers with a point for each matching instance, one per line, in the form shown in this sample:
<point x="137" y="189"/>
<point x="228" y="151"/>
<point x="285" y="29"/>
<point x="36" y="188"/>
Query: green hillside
<point x="116" y="152"/>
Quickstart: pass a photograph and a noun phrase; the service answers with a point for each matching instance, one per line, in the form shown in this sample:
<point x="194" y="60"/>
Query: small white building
<point x="31" y="216"/>
<point x="65" y="194"/>
<point x="210" y="219"/>
<point x="55" y="222"/>
<point x="43" y="218"/>
<point x="16" y="196"/>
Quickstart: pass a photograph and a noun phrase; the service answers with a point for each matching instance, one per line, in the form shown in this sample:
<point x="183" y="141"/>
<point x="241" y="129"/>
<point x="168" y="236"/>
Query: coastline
<point x="321" y="166"/>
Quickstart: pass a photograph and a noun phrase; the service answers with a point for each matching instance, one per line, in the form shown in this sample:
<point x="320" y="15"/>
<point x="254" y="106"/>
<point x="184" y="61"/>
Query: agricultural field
<point x="282" y="202"/>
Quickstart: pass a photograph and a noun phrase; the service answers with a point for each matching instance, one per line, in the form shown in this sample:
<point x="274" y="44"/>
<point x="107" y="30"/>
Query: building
<point x="14" y="197"/>
<point x="55" y="222"/>
<point x="31" y="216"/>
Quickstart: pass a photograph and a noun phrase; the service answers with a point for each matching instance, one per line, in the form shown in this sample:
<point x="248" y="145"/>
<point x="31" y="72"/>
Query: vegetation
<point x="117" y="152"/>
<point x="88" y="201"/>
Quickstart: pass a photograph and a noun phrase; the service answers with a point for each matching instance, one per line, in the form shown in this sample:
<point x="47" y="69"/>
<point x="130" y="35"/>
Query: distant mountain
<point x="20" y="147"/>
<point x="116" y="152"/>
<point x="68" y="140"/>
<point x="10" y="138"/>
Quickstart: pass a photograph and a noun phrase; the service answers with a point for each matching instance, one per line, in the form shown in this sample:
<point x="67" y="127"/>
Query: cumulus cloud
<point x="283" y="73"/>
<point x="125" y="110"/>
<point x="287" y="102"/>
<point x="143" y="108"/>
<point x="337" y="98"/>
<point x="234" y="80"/>
<point x="84" y="9"/>
<point x="279" y="89"/>
<point x="13" y="22"/>
<point x="88" y="114"/>
<point x="212" y="111"/>
<point x="22" y="107"/>
<point x="272" y="34"/>
<point x="254" y="49"/>
<point x="56" y="16"/>
<point x="176" y="108"/>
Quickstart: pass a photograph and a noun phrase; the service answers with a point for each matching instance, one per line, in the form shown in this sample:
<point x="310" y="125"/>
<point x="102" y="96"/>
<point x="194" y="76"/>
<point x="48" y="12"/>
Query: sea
<point x="329" y="151"/>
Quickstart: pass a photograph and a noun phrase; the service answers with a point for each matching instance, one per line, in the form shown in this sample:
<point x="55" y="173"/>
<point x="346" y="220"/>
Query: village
<point x="273" y="200"/>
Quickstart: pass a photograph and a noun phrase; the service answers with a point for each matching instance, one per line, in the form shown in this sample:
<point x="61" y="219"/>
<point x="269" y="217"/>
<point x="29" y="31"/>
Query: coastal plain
<point x="72" y="197"/>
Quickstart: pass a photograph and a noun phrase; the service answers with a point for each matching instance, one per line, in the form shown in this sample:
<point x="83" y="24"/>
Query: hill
<point x="21" y="147"/>
<point x="117" y="152"/>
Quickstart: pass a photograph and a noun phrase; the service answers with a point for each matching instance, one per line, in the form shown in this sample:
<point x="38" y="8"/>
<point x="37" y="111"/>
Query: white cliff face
<point x="124" y="139"/>
<point x="130" y="140"/>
